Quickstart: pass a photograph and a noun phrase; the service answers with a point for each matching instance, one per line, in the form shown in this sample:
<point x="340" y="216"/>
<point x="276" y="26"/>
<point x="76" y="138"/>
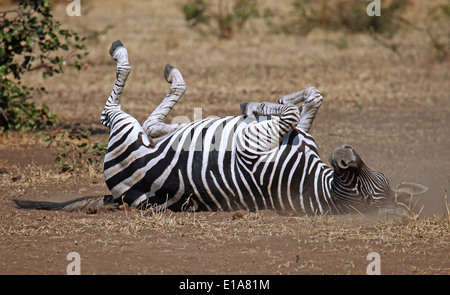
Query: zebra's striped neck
<point x="374" y="187"/>
<point x="326" y="192"/>
<point x="344" y="189"/>
<point x="359" y="189"/>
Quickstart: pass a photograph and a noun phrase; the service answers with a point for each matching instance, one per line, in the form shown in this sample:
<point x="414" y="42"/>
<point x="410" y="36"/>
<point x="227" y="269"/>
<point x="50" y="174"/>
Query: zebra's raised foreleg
<point x="154" y="125"/>
<point x="118" y="53"/>
<point x="312" y="100"/>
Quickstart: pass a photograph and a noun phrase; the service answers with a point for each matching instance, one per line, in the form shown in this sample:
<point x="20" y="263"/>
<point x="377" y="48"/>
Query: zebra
<point x="263" y="159"/>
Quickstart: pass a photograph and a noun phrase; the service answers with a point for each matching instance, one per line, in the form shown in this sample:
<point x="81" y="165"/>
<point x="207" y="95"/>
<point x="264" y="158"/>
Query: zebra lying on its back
<point x="264" y="159"/>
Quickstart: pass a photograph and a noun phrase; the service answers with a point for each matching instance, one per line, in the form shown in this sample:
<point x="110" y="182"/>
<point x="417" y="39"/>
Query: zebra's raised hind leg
<point x="154" y="125"/>
<point x="312" y="100"/>
<point x="265" y="135"/>
<point x="287" y="116"/>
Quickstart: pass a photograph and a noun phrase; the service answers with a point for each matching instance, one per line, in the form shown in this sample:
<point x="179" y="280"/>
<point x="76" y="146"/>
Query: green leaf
<point x="3" y="70"/>
<point x="48" y="142"/>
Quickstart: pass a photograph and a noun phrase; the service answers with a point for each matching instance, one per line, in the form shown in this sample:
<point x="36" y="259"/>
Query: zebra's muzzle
<point x="344" y="157"/>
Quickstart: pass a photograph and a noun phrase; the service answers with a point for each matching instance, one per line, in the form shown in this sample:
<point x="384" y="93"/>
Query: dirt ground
<point x="393" y="108"/>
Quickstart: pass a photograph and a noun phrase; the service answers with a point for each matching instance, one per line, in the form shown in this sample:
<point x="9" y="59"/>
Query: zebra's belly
<point x="201" y="167"/>
<point x="226" y="183"/>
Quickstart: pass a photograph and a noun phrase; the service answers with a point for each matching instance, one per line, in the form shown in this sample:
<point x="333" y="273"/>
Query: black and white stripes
<point x="265" y="159"/>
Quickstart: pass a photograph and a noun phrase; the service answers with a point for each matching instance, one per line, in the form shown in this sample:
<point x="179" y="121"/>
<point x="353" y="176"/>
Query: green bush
<point x="76" y="150"/>
<point x="348" y="15"/>
<point x="200" y="14"/>
<point x="31" y="39"/>
<point x="438" y="31"/>
<point x="194" y="12"/>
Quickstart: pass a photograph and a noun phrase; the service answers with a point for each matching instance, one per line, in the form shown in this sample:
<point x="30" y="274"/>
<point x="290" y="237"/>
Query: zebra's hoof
<point x="167" y="70"/>
<point x="114" y="46"/>
<point x="251" y="109"/>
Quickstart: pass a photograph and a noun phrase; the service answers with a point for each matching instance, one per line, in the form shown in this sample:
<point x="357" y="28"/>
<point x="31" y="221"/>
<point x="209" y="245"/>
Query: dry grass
<point x="255" y="235"/>
<point x="213" y="227"/>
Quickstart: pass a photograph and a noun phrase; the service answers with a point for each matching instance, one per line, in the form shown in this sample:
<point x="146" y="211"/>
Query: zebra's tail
<point x="85" y="204"/>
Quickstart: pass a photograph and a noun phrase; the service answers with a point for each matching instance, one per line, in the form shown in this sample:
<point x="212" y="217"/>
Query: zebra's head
<point x="357" y="185"/>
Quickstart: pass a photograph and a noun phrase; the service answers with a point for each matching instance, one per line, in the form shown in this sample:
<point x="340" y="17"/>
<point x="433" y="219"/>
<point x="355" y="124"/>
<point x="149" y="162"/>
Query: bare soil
<point x="392" y="108"/>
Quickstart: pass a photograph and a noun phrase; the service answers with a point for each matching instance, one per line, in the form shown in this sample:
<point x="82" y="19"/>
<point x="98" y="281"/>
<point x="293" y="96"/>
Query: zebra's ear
<point x="407" y="189"/>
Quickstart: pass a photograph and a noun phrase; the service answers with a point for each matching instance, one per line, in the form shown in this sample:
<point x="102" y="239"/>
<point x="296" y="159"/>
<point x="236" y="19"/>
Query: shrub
<point x="348" y="15"/>
<point x="76" y="150"/>
<point x="438" y="31"/>
<point x="31" y="39"/>
<point x="200" y="14"/>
